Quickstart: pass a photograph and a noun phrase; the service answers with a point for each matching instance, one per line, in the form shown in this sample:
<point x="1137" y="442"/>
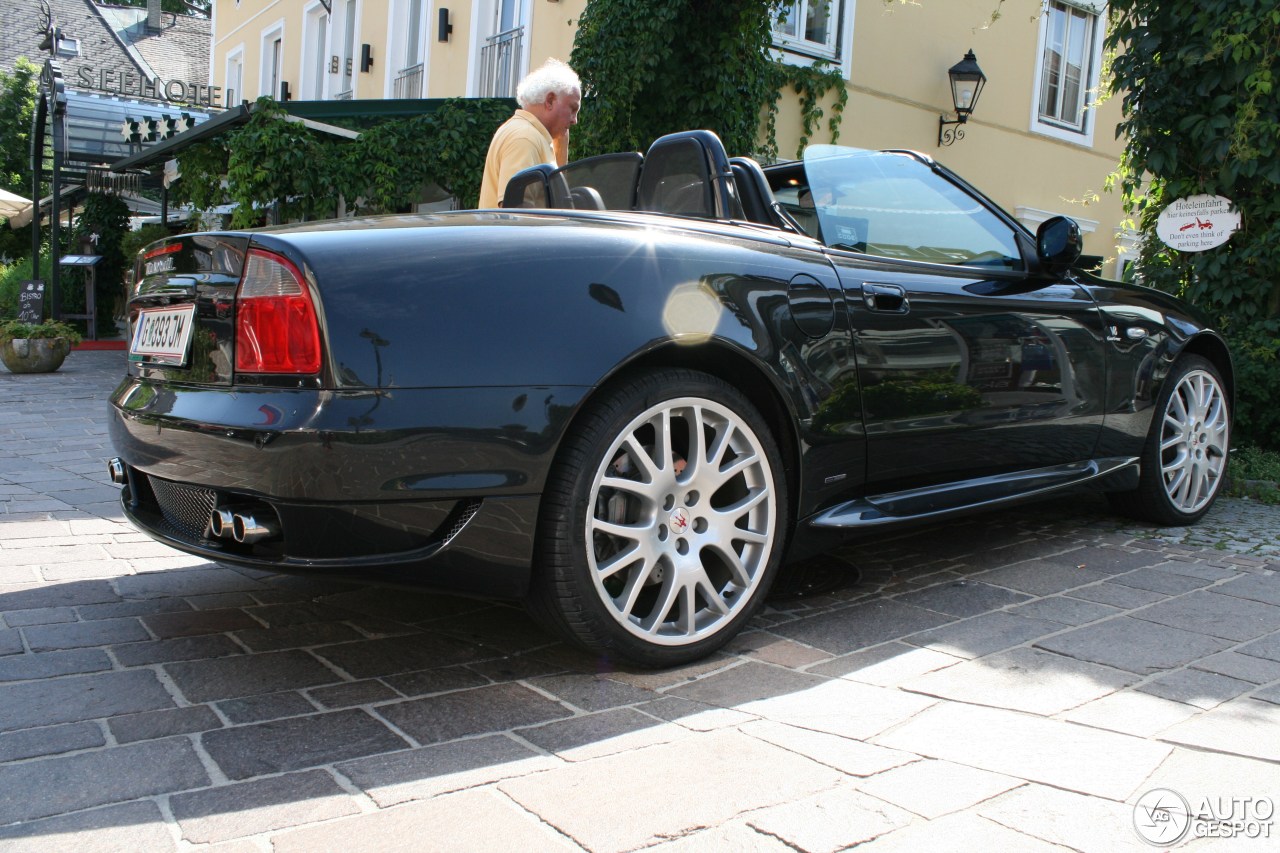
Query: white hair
<point x="552" y="76"/>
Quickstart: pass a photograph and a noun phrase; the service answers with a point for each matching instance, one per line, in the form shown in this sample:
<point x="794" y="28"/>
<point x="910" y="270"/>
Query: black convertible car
<point x="626" y="396"/>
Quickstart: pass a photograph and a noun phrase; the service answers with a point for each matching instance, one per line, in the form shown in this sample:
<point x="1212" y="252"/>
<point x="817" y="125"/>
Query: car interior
<point x="685" y="174"/>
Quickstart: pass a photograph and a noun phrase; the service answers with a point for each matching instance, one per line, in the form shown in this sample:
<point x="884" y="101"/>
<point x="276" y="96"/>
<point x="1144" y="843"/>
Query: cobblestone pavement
<point x="1012" y="682"/>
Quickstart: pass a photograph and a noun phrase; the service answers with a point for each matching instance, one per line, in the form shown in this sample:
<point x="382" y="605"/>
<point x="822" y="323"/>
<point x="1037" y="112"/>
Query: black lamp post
<point x="967" y="81"/>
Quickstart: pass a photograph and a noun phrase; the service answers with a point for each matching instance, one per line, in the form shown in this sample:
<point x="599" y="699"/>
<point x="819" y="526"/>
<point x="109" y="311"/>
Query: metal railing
<point x="500" y="64"/>
<point x="408" y="83"/>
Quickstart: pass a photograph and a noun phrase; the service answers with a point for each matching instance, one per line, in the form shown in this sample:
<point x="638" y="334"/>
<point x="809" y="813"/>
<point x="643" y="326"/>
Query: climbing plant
<point x="1201" y="115"/>
<point x="651" y="67"/>
<point x="272" y="161"/>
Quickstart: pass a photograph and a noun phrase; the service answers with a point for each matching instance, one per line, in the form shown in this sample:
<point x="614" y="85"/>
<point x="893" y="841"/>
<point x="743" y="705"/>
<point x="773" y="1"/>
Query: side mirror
<point x="1058" y="243"/>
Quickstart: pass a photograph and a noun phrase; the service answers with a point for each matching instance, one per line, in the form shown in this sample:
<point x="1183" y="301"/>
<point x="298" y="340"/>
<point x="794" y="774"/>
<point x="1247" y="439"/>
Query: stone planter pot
<point x="34" y="355"/>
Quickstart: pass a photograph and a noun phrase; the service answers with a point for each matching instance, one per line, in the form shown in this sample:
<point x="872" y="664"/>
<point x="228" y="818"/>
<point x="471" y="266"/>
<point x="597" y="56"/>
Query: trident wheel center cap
<point x="680" y="521"/>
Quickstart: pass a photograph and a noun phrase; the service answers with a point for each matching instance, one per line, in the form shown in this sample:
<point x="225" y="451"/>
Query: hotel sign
<point x="135" y="85"/>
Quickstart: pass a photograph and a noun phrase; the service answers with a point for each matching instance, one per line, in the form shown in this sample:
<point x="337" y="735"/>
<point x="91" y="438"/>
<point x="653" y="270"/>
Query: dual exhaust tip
<point x="241" y="525"/>
<point x="226" y="522"/>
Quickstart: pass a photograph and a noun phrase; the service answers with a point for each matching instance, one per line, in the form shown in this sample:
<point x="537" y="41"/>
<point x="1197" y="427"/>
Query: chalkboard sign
<point x="31" y="302"/>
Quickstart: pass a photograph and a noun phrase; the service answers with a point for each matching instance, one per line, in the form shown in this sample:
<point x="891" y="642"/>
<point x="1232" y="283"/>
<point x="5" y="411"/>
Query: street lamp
<point x="967" y="81"/>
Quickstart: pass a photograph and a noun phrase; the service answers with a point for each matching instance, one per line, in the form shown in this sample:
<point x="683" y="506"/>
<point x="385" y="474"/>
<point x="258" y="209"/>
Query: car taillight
<point x="276" y="327"/>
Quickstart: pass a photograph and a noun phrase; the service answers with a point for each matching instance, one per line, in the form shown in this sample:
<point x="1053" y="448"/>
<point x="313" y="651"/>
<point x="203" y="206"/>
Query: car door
<point x="969" y="363"/>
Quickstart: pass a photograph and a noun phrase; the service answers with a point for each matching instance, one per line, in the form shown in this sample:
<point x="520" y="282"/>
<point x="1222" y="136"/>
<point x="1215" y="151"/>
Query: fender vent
<point x="464" y="515"/>
<point x="187" y="509"/>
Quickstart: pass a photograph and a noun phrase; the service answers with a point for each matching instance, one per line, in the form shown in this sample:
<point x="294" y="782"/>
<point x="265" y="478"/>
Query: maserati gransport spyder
<point x="635" y="391"/>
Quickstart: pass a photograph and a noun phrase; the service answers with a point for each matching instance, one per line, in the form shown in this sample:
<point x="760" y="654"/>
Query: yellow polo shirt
<point x="519" y="143"/>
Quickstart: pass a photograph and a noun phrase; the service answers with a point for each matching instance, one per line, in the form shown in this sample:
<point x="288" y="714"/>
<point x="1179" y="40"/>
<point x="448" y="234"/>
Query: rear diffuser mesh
<point x="186" y="508"/>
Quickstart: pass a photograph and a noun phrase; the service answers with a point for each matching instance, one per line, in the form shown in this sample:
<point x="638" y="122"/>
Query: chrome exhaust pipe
<point x="247" y="529"/>
<point x="115" y="470"/>
<point x="222" y="522"/>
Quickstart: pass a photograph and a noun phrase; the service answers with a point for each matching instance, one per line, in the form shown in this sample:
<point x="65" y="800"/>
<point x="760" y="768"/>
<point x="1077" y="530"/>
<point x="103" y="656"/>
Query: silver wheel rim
<point x="681" y="521"/>
<point x="1193" y="442"/>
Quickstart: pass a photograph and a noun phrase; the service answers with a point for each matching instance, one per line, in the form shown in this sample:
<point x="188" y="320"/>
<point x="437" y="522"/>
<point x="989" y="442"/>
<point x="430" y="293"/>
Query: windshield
<point x="895" y="206"/>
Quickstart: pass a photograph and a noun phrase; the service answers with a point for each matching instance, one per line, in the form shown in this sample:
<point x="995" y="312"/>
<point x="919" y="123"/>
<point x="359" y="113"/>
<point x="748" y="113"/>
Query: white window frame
<point x="313" y="75"/>
<point x="400" y="38"/>
<point x="798" y="51"/>
<point x="233" y="80"/>
<point x="484" y="14"/>
<point x="338" y="47"/>
<point x="1055" y="129"/>
<point x="270" y="35"/>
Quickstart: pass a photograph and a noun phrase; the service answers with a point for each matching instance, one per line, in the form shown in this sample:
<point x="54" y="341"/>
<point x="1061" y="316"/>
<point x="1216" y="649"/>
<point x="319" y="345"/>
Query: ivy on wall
<point x="305" y="174"/>
<point x="1201" y="115"/>
<point x="651" y="67"/>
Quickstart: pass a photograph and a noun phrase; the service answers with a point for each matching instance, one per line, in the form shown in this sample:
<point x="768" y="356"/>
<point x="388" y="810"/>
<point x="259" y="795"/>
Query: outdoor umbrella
<point x="11" y="205"/>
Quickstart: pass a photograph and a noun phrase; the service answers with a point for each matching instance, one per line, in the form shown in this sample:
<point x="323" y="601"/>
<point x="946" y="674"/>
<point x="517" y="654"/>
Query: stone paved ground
<point x="1012" y="682"/>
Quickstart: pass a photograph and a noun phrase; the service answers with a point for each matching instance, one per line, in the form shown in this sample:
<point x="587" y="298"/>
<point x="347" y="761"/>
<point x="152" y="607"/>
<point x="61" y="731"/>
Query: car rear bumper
<point x="432" y="487"/>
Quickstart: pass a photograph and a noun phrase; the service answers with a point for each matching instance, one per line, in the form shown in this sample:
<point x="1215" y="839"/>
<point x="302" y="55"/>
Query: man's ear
<point x="549" y="101"/>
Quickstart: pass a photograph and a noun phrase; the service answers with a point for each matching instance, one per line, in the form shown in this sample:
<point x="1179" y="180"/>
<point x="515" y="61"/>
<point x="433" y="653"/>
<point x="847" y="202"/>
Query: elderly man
<point x="538" y="132"/>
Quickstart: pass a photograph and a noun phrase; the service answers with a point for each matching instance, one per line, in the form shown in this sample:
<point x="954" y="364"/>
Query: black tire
<point x="659" y="557"/>
<point x="1184" y="460"/>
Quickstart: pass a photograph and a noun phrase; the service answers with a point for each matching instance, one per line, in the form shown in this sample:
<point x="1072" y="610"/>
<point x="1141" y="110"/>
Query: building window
<point x="314" y="52"/>
<point x="409" y="78"/>
<point x="272" y="61"/>
<point x="234" y="81"/>
<point x="346" y="71"/>
<point x="1070" y="55"/>
<point x="811" y="27"/>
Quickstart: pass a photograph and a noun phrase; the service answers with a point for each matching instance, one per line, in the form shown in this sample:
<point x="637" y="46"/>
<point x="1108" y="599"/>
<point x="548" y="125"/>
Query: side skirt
<point x="965" y="496"/>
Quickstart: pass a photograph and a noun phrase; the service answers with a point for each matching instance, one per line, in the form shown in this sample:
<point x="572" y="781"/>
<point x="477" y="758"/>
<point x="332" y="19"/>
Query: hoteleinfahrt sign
<point x="1197" y="223"/>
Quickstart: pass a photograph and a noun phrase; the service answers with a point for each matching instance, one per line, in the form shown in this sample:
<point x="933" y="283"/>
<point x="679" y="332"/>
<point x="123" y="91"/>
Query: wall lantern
<point x="366" y="58"/>
<point x="445" y="27"/>
<point x="967" y="81"/>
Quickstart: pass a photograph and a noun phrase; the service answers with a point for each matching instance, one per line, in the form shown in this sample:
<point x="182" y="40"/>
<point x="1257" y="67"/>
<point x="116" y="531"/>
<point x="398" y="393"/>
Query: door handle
<point x="885" y="298"/>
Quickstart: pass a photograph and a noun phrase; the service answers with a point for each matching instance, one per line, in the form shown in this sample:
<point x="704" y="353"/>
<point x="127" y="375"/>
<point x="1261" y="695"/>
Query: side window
<point x="1067" y="72"/>
<point x="894" y="206"/>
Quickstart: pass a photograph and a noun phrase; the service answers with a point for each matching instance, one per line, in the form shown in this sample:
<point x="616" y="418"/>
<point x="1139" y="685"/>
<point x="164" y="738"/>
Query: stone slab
<point x="248" y="675"/>
<point x="1132" y="713"/>
<point x="51" y="786"/>
<point x="1244" y="727"/>
<point x="886" y="665"/>
<point x="76" y="635"/>
<point x="963" y="598"/>
<point x="1194" y="687"/>
<point x="1136" y="645"/>
<point x="1052" y="752"/>
<point x="983" y="635"/>
<point x="81" y="697"/>
<point x="234" y="811"/>
<point x="471" y="820"/>
<point x="49" y="740"/>
<point x="849" y="756"/>
<point x="125" y="828"/>
<point x="622" y="802"/>
<point x="931" y="788"/>
<point x="1065" y="818"/>
<point x="1216" y="615"/>
<point x="429" y="771"/>
<point x="1030" y="680"/>
<point x="829" y="820"/>
<point x="852" y="628"/>
<point x="497" y="708"/>
<point x="590" y="736"/>
<point x="298" y="743"/>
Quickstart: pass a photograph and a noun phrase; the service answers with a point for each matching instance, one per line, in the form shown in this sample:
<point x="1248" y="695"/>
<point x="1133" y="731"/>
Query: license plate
<point x="163" y="335"/>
